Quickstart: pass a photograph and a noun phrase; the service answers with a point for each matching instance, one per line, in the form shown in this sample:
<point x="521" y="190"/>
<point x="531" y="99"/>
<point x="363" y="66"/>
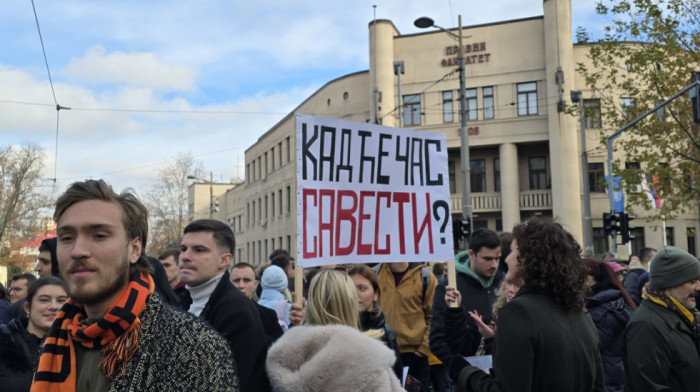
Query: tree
<point x="21" y="203"/>
<point x="167" y="201"/>
<point x="647" y="55"/>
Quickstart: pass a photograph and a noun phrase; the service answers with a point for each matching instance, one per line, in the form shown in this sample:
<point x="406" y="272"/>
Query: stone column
<point x="563" y="133"/>
<point x="381" y="71"/>
<point x="510" y="186"/>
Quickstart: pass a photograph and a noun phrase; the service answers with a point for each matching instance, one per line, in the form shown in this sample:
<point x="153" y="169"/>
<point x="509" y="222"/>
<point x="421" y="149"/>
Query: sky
<point x="146" y="80"/>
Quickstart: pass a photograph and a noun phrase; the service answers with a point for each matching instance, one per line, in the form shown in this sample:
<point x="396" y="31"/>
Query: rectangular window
<point x="259" y="174"/>
<point x="411" y="109"/>
<point x="472" y="105"/>
<point x="690" y="234"/>
<point x="289" y="244"/>
<point x="600" y="241"/>
<point x="260" y="215"/>
<point x="289" y="152"/>
<point x="280" y="200"/>
<point x="451" y="170"/>
<point x="279" y="148"/>
<point x="488" y="102"/>
<point x="272" y="199"/>
<point x="496" y="174"/>
<point x="638" y="241"/>
<point x="538" y="172"/>
<point x="478" y="175"/>
<point x="265" y="169"/>
<point x="670" y="236"/>
<point x="527" y="99"/>
<point x="253" y="174"/>
<point x="596" y="179"/>
<point x="591" y="113"/>
<point x="266" y="216"/>
<point x="247" y="213"/>
<point x="247" y="172"/>
<point x="253" y="213"/>
<point x="627" y="106"/>
<point x="260" y="255"/>
<point x="289" y="200"/>
<point x="267" y="250"/>
<point x="252" y="248"/>
<point x="447" y="107"/>
<point x="635" y="170"/>
<point x="272" y="158"/>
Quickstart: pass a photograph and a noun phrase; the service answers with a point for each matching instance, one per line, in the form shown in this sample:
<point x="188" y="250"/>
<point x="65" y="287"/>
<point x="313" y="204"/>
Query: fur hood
<point x="330" y="358"/>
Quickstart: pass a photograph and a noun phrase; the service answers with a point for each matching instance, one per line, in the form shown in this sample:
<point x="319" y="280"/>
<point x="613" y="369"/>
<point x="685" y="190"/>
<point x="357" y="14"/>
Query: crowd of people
<point x="527" y="313"/>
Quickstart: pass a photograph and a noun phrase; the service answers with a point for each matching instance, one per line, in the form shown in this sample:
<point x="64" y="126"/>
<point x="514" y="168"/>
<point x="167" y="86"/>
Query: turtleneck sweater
<point x="200" y="294"/>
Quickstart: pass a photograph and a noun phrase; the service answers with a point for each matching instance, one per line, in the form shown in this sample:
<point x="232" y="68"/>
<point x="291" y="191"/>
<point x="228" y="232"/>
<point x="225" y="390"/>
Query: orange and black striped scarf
<point x="116" y="334"/>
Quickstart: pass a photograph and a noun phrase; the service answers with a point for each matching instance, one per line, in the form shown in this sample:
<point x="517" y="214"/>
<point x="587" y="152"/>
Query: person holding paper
<point x="478" y="277"/>
<point x="545" y="340"/>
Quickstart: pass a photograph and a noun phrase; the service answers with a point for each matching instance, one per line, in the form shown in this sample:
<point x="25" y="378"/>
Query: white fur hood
<point x="330" y="358"/>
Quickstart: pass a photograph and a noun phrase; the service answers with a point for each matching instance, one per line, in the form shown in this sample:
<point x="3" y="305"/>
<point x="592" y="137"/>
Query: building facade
<point x="524" y="151"/>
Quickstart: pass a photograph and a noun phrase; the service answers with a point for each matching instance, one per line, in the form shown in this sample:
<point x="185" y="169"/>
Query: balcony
<point x="539" y="199"/>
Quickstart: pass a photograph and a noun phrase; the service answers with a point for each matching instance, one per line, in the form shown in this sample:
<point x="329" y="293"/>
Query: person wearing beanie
<point x="661" y="340"/>
<point x="274" y="283"/>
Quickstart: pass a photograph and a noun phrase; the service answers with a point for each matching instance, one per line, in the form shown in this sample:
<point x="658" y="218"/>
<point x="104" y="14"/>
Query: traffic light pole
<point x="618" y="133"/>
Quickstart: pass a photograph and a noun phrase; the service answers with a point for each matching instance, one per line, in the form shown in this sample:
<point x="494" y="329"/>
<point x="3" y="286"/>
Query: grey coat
<point x="177" y="352"/>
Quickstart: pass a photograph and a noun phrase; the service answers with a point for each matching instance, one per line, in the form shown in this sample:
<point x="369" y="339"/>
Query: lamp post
<point x="211" y="191"/>
<point x="425" y="22"/>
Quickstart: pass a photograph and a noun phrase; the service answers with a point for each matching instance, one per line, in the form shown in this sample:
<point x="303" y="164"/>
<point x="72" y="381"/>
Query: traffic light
<point x="625" y="228"/>
<point x="610" y="223"/>
<point x="465" y="228"/>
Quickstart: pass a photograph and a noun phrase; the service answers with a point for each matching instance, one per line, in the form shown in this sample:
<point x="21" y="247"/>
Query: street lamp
<point x="211" y="191"/>
<point x="425" y="22"/>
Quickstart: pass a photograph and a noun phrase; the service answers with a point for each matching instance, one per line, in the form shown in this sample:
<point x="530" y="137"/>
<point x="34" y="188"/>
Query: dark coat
<point x="177" y="352"/>
<point x="268" y="317"/>
<point x="376" y="320"/>
<point x="540" y="346"/>
<point x="660" y="353"/>
<point x="19" y="355"/>
<point x="474" y="297"/>
<point x="235" y="317"/>
<point x="630" y="281"/>
<point x="610" y="314"/>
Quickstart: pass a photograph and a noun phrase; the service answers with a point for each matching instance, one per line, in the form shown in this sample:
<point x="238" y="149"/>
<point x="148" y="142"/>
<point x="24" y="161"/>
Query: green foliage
<point x="648" y="53"/>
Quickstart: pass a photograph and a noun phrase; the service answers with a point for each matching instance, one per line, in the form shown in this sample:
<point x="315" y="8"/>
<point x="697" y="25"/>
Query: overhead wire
<point x="53" y="92"/>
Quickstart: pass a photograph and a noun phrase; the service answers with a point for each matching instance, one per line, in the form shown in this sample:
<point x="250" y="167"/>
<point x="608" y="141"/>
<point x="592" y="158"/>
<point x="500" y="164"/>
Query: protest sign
<point x="370" y="193"/>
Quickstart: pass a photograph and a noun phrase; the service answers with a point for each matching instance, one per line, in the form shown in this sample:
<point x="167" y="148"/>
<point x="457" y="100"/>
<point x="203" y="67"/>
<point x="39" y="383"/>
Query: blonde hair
<point x="332" y="299"/>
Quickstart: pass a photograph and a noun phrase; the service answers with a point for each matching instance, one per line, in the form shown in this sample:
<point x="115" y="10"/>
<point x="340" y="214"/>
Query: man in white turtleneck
<point x="206" y="252"/>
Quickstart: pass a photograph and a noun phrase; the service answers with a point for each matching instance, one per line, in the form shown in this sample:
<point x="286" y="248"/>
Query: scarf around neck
<point x="660" y="297"/>
<point x="115" y="334"/>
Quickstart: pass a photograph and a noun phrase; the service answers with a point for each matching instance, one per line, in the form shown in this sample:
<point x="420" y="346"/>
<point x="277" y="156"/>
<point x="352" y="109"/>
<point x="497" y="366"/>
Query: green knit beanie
<point x="671" y="267"/>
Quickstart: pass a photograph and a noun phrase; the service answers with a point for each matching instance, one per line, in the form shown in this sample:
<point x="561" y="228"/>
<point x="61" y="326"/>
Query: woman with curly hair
<point x="545" y="340"/>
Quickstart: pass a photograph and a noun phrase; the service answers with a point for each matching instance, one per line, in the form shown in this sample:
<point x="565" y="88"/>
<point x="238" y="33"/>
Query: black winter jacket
<point x="540" y="347"/>
<point x="474" y="297"/>
<point x="375" y="319"/>
<point x="19" y="355"/>
<point x="660" y="352"/>
<point x="610" y="314"/>
<point x="235" y="317"/>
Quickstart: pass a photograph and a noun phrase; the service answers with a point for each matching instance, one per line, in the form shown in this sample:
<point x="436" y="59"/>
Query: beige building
<point x="524" y="153"/>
